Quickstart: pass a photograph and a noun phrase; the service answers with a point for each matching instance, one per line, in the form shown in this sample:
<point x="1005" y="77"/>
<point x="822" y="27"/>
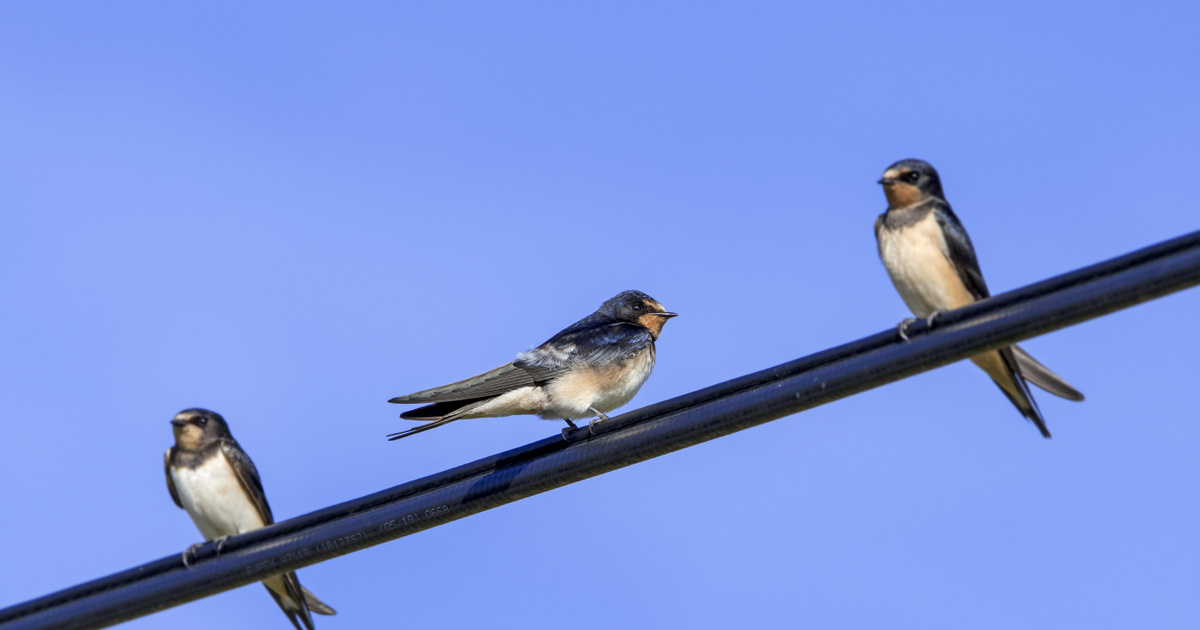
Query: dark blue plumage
<point x="591" y="367"/>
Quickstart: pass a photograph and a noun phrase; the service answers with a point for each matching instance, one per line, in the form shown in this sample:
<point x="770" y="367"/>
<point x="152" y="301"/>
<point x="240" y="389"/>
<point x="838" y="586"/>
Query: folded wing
<point x="590" y="341"/>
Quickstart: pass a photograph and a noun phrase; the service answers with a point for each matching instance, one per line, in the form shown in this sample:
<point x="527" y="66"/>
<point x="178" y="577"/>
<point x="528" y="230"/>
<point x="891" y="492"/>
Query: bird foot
<point x="219" y="544"/>
<point x="600" y="417"/>
<point x="591" y="425"/>
<point x="902" y="327"/>
<point x="189" y="555"/>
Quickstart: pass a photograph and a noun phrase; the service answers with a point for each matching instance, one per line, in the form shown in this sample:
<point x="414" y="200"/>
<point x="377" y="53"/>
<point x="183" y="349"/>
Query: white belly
<point x="214" y="498"/>
<point x="603" y="389"/>
<point x="916" y="260"/>
<point x="518" y="402"/>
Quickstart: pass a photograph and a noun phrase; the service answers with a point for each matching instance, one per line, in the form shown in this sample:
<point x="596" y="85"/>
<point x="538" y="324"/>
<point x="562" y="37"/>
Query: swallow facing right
<point x="212" y="478"/>
<point x="590" y="368"/>
<point x="931" y="261"/>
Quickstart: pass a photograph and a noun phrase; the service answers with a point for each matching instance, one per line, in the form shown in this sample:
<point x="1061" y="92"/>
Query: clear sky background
<point x="289" y="213"/>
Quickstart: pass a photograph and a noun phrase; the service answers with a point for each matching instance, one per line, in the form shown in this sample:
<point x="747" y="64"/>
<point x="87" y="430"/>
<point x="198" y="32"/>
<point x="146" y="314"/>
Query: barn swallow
<point x="210" y="476"/>
<point x="931" y="261"/>
<point x="590" y="368"/>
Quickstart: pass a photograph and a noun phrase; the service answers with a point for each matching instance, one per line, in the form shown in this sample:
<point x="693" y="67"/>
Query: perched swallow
<point x="593" y="366"/>
<point x="931" y="261"/>
<point x="210" y="476"/>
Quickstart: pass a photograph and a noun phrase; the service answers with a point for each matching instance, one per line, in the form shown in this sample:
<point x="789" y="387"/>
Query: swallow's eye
<point x="636" y="307"/>
<point x="203" y="421"/>
<point x="912" y="177"/>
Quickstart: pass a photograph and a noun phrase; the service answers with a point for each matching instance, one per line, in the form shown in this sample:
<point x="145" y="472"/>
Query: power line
<point x="621" y="441"/>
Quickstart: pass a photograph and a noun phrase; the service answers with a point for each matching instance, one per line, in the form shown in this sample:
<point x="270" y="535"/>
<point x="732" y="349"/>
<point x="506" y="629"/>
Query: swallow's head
<point x="910" y="182"/>
<point x="638" y="308"/>
<point x="196" y="428"/>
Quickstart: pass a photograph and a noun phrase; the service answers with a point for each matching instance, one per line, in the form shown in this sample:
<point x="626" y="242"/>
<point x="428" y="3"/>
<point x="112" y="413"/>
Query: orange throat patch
<point x="654" y="322"/>
<point x="901" y="195"/>
<point x="188" y="437"/>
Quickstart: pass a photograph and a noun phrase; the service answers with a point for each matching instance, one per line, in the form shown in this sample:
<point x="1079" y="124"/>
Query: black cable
<point x="627" y="439"/>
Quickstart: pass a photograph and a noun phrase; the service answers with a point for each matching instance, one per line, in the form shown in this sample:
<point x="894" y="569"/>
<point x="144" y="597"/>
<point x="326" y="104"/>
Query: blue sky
<point x="289" y="213"/>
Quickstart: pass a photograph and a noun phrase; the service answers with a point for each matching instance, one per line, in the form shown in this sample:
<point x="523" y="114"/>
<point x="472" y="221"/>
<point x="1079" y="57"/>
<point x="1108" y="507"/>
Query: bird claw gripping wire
<point x="591" y="427"/>
<point x="189" y="555"/>
<point x="600" y="417"/>
<point x="902" y="327"/>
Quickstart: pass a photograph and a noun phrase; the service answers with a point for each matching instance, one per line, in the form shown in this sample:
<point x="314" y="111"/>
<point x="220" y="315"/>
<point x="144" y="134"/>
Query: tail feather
<point x="315" y="605"/>
<point x="437" y="411"/>
<point x="1001" y="365"/>
<point x="1041" y="376"/>
<point x="290" y="601"/>
<point x="420" y="429"/>
<point x="296" y="601"/>
<point x="436" y="415"/>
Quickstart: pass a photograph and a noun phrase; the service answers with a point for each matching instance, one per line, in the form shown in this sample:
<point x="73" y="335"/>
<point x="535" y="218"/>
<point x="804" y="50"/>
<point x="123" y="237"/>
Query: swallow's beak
<point x="666" y="315"/>
<point x="886" y="181"/>
<point x="179" y="423"/>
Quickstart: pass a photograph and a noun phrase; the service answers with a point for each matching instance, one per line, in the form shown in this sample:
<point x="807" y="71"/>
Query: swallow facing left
<point x="210" y="476"/>
<point x="593" y="366"/>
<point x="931" y="261"/>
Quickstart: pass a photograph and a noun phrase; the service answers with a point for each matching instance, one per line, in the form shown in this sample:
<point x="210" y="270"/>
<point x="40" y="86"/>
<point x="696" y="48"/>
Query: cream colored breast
<point x="214" y="498"/>
<point x="917" y="261"/>
<point x="604" y="388"/>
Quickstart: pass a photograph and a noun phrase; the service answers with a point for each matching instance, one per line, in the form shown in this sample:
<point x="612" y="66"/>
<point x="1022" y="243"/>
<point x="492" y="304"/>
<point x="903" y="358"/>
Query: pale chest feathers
<point x="917" y="260"/>
<point x="603" y="388"/>
<point x="214" y="498"/>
